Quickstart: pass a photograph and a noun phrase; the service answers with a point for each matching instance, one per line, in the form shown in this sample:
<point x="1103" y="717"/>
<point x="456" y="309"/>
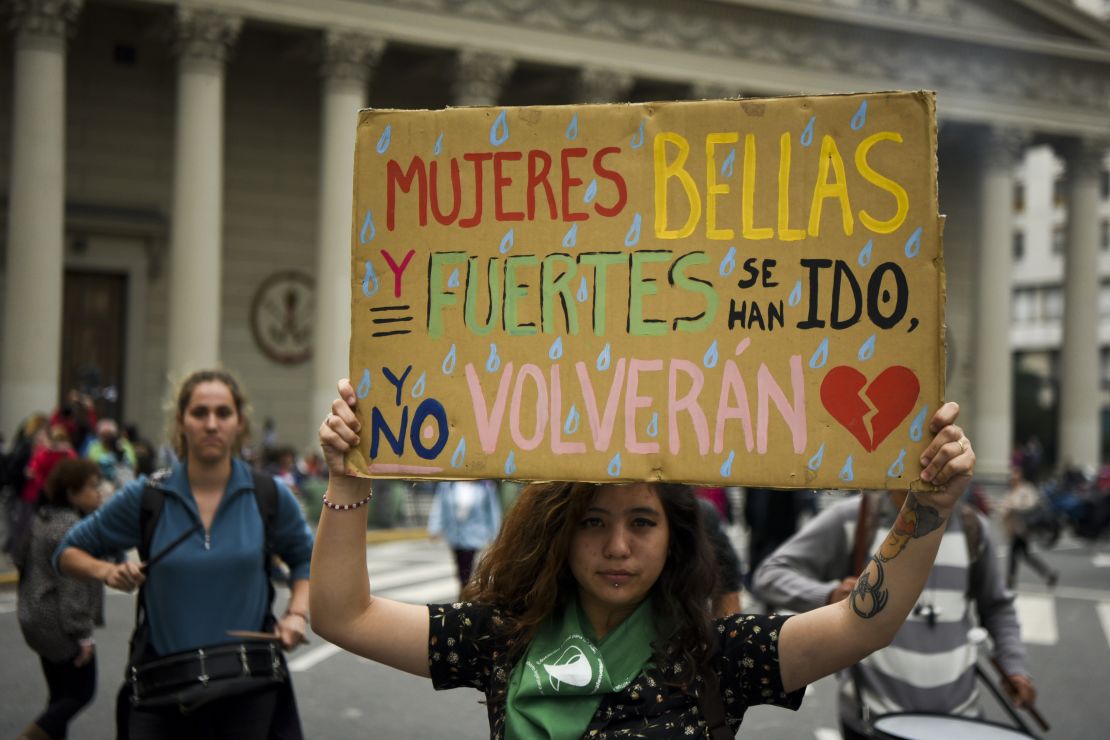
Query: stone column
<point x="598" y="85"/>
<point x="1079" y="371"/>
<point x="480" y="77"/>
<point x="202" y="41"/>
<point x="347" y="63"/>
<point x="31" y="343"/>
<point x="990" y="422"/>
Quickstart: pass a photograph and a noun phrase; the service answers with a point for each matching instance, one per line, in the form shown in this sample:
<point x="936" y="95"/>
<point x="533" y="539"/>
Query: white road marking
<point x="826" y="733"/>
<point x="1104" y="617"/>
<point x="432" y="592"/>
<point x="410" y="574"/>
<point x="313" y="656"/>
<point x="1101" y="560"/>
<point x="1037" y="615"/>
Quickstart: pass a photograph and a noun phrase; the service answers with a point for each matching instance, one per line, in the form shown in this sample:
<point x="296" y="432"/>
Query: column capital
<point x="1085" y="156"/>
<point x="600" y="85"/>
<point x="703" y="90"/>
<point x="50" y="18"/>
<point x="480" y="76"/>
<point x="1004" y="146"/>
<point x="349" y="56"/>
<point x="204" y="34"/>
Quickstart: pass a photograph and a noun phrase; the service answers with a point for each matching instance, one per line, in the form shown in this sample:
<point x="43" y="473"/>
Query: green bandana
<point x="556" y="688"/>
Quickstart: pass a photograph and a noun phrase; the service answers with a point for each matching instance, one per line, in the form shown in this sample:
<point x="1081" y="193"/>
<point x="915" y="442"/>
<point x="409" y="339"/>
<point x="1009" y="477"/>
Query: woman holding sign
<point x="590" y="613"/>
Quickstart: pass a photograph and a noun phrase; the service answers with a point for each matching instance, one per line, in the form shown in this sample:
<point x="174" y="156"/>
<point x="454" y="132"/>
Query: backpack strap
<point x="266" y="497"/>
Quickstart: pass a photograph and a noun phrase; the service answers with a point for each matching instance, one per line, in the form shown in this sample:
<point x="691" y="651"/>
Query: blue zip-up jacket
<point x="214" y="581"/>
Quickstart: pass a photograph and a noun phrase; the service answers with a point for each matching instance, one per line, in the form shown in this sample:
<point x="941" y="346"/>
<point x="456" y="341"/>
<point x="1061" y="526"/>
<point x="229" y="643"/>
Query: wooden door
<point x="94" y="340"/>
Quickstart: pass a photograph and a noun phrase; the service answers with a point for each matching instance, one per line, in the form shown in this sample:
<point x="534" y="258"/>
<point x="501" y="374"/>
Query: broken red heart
<point x="892" y="394"/>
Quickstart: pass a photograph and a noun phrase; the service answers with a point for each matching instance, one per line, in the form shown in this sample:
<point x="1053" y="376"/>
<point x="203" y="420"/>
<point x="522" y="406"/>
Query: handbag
<point x="192" y="678"/>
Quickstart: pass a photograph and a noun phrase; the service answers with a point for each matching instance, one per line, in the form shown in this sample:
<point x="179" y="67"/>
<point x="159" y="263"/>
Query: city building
<point x="175" y="177"/>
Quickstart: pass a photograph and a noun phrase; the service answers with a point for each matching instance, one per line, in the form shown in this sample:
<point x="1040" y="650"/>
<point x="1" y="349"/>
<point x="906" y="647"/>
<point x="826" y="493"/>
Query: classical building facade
<point x="176" y="176"/>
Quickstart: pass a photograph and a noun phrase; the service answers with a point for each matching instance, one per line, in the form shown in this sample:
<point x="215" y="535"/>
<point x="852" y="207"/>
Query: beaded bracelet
<point x="347" y="507"/>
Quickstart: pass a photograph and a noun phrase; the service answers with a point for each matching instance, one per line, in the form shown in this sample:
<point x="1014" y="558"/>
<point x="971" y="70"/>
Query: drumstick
<point x="1010" y="685"/>
<point x="166" y="550"/>
<point x="253" y="635"/>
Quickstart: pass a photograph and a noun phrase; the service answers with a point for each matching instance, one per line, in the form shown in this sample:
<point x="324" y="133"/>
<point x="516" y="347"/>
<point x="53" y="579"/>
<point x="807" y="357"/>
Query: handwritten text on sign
<point x="744" y="291"/>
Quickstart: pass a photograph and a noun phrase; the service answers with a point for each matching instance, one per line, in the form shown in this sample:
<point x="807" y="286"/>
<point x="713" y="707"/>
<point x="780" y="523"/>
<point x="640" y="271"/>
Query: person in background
<point x="726" y="594"/>
<point x="77" y="415"/>
<point x="467" y="515"/>
<point x="815" y="567"/>
<point x="32" y="433"/>
<point x="772" y="517"/>
<point x="114" y="454"/>
<point x="216" y="579"/>
<point x="57" y="613"/>
<point x="589" y="615"/>
<point x="1022" y="497"/>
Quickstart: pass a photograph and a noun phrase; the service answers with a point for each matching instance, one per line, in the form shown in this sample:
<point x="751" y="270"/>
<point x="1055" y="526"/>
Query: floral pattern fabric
<point x="467" y="647"/>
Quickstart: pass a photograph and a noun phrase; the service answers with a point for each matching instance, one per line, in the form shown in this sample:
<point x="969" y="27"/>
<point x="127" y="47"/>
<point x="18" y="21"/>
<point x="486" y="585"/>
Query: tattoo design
<point x="914" y="520"/>
<point x="869" y="599"/>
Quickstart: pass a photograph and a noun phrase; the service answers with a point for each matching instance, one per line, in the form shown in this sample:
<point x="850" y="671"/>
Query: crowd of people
<point x="641" y="581"/>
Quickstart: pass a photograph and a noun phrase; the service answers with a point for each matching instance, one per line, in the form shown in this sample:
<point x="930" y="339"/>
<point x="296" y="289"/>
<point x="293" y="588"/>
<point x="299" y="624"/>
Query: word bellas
<point x="519" y="184"/>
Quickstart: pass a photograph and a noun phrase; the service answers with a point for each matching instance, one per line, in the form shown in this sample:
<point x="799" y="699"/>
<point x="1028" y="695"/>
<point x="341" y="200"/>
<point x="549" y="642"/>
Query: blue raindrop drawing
<point x="614" y="468"/>
<point x="510" y="463"/>
<point x="860" y="118"/>
<point x="653" y="425"/>
<point x="917" y="428"/>
<point x="572" y="128"/>
<point x="814" y="463"/>
<point x="556" y="350"/>
<point x="459" y="455"/>
<point x="493" y="362"/>
<point x="637" y="139"/>
<point x="570" y="426"/>
<point x="384" y="140"/>
<point x="583" y="293"/>
<point x="709" y="359"/>
<point x="726" y="467"/>
<point x="821" y="356"/>
<point x="499" y="131"/>
<point x="807" y="134"/>
<point x="369" y="281"/>
<point x="728" y="264"/>
<point x="898" y="467"/>
<point x="846" y="473"/>
<point x="591" y="191"/>
<point x="363" y="389"/>
<point x="867" y="349"/>
<point x="367" y="233"/>
<point x="632" y="238"/>
<point x="604" y="357"/>
<point x="437" y="150"/>
<point x="453" y="281"/>
<point x="795" y="294"/>
<point x="449" y="360"/>
<point x="571" y="237"/>
<point x="729" y="164"/>
<point x="507" y="241"/>
<point x="420" y="384"/>
<point x="864" y="258"/>
<point x="913" y="244"/>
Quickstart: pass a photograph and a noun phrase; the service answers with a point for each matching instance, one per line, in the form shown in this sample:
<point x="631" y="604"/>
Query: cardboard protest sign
<point x="734" y="291"/>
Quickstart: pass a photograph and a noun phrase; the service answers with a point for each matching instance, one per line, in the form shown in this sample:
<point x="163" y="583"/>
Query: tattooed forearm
<point x="914" y="520"/>
<point x="868" y="599"/>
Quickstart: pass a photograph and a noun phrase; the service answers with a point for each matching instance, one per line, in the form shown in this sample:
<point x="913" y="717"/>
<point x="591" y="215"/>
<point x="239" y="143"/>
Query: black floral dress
<point x="467" y="648"/>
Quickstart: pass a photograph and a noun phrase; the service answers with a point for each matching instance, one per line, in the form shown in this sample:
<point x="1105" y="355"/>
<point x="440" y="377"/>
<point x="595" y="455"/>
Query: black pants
<point x="1019" y="550"/>
<point x="464" y="561"/>
<point x="244" y="717"/>
<point x="71" y="689"/>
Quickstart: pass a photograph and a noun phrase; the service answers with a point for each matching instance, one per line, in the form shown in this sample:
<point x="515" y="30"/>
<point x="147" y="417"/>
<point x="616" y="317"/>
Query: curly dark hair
<point x="69" y="476"/>
<point x="526" y="573"/>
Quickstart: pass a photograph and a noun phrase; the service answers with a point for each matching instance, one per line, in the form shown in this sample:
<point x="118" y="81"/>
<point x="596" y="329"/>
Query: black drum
<point x="927" y="726"/>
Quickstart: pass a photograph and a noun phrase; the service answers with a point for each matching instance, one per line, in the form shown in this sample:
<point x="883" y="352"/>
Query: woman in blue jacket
<point x="216" y="579"/>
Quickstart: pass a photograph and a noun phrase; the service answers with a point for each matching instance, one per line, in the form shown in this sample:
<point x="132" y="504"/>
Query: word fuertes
<point x="523" y="186"/>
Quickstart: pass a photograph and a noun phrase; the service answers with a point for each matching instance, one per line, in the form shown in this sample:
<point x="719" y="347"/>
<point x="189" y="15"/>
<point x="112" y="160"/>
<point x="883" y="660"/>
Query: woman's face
<point x="87" y="498"/>
<point x="210" y="424"/>
<point x="618" y="551"/>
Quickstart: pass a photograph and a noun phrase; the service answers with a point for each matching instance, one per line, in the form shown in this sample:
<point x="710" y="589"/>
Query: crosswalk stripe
<point x="431" y="592"/>
<point x="1104" y="617"/>
<point x="410" y="574"/>
<point x="1037" y="615"/>
<point x="313" y="656"/>
<point x="826" y="733"/>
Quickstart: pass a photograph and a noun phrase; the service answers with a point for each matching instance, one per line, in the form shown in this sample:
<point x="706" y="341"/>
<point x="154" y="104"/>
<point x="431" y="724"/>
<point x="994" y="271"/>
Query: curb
<point x="373" y="537"/>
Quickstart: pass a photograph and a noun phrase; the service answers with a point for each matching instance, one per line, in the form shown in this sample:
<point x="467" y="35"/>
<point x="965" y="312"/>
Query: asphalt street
<point x="1067" y="632"/>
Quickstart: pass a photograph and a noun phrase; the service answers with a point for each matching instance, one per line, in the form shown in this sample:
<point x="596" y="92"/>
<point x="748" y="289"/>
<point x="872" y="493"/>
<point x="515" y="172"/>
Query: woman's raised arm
<point x="825" y="640"/>
<point x="343" y="611"/>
